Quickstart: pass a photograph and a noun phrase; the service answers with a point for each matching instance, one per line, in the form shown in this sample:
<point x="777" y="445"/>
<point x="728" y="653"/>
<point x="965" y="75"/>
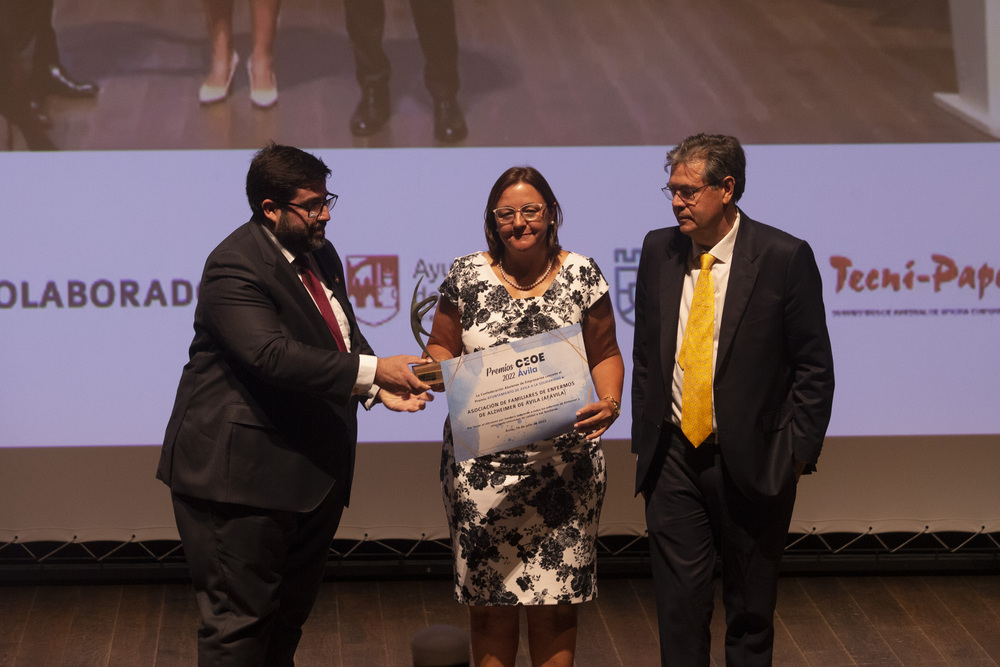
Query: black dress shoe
<point x="36" y="110"/>
<point x="56" y="81"/>
<point x="22" y="115"/>
<point x="449" y="123"/>
<point x="372" y="112"/>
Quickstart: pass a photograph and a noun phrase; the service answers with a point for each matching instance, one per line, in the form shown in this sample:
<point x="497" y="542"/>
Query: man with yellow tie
<point x="732" y="388"/>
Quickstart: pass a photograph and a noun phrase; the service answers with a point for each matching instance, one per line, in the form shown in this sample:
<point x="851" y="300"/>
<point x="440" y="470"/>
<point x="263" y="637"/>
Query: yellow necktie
<point x="696" y="358"/>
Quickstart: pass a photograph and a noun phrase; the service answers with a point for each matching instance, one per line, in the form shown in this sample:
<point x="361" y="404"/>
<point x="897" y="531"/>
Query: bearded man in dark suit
<point x="259" y="450"/>
<point x="719" y="480"/>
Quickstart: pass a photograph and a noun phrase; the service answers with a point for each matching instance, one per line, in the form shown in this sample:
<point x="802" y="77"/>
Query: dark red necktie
<point x="322" y="300"/>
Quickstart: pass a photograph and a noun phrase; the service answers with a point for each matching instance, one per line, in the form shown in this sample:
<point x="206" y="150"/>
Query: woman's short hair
<point x="553" y="213"/>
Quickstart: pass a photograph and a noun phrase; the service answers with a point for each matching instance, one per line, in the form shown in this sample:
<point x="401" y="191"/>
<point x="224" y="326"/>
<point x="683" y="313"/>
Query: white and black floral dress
<point x="524" y="521"/>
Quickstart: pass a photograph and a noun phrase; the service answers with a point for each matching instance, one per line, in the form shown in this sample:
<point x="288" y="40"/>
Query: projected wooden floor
<point x="554" y="73"/>
<point x="821" y="621"/>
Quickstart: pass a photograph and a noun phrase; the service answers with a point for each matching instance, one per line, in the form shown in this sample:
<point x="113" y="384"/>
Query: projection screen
<point x="868" y="133"/>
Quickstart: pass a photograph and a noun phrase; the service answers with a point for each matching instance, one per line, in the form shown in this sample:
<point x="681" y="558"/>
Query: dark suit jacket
<point x="773" y="384"/>
<point x="264" y="414"/>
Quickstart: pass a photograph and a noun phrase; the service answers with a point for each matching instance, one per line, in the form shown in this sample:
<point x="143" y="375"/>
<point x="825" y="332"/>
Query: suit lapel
<point x="670" y="289"/>
<point x="286" y="276"/>
<point x="333" y="273"/>
<point x="742" y="277"/>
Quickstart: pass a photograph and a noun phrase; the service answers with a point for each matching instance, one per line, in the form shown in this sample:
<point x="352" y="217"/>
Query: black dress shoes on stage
<point x="54" y="80"/>
<point x="372" y="112"/>
<point x="36" y="110"/>
<point x="449" y="123"/>
<point x="24" y="114"/>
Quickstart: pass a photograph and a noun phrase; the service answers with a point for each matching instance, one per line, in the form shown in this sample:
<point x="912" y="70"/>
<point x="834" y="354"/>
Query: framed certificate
<point x="513" y="394"/>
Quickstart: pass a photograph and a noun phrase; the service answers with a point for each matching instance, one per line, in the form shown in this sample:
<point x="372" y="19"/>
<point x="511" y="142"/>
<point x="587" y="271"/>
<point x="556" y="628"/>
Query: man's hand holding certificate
<point x="514" y="394"/>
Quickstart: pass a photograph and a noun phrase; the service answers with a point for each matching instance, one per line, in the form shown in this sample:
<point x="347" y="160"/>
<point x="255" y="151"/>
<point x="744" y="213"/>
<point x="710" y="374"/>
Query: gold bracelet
<point x="618" y="406"/>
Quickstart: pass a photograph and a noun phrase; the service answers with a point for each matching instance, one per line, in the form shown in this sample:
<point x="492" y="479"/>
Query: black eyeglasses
<point x="313" y="209"/>
<point x="687" y="194"/>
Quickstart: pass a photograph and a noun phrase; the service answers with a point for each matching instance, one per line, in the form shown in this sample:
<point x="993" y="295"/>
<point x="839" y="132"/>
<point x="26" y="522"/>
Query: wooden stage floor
<point x="822" y="621"/>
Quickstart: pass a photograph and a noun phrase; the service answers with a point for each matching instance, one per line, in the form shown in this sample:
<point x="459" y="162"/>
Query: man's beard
<point x="296" y="238"/>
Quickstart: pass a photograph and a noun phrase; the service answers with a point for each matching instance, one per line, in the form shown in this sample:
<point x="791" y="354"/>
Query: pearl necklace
<point x="526" y="288"/>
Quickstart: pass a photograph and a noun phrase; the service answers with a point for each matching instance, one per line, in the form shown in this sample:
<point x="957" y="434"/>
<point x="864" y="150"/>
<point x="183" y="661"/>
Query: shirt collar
<point x="723" y="250"/>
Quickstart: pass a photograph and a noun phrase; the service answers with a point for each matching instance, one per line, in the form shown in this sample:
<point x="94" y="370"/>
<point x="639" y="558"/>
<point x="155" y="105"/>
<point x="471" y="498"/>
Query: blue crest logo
<point x="626" y="269"/>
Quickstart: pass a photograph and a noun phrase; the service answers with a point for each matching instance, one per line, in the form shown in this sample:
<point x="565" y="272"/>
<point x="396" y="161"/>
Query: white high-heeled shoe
<point x="262" y="97"/>
<point x="208" y="94"/>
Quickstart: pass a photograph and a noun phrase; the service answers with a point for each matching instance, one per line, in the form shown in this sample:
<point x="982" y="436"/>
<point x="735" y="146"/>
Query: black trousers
<point x="24" y="25"/>
<point x="695" y="513"/>
<point x="256" y="574"/>
<point x="435" y="23"/>
<point x="46" y="48"/>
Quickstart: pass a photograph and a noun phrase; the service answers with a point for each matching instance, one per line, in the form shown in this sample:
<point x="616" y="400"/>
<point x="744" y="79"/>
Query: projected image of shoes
<point x="262" y="97"/>
<point x="209" y="93"/>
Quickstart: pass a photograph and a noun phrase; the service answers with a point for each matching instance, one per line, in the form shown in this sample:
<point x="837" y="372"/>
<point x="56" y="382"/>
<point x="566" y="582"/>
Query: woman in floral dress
<point x="524" y="521"/>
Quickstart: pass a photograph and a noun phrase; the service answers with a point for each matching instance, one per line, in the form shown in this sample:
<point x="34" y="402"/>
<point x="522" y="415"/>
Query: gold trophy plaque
<point x="429" y="373"/>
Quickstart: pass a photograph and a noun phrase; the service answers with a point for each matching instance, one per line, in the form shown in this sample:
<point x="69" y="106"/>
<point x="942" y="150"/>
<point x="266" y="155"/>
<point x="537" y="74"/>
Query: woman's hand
<point x="594" y="419"/>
